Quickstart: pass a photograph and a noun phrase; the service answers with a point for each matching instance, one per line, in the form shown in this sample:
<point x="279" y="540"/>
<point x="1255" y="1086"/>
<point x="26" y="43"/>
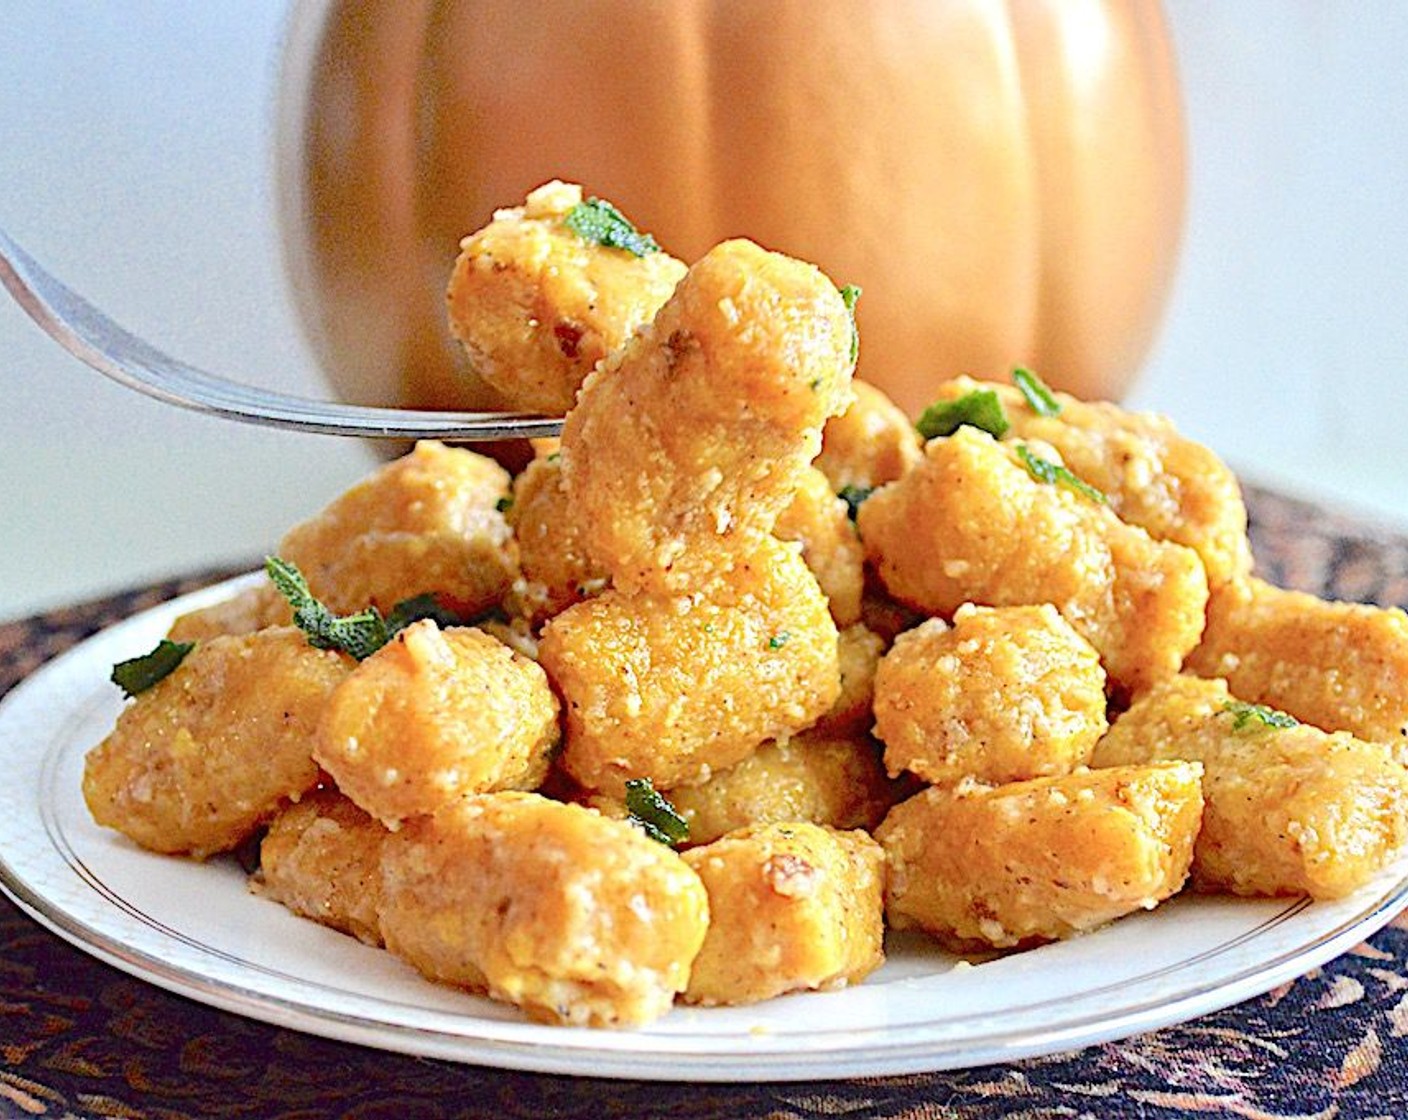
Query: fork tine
<point x="89" y="335"/>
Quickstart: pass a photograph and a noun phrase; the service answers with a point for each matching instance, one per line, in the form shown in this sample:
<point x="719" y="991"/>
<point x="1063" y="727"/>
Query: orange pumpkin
<point x="1005" y="182"/>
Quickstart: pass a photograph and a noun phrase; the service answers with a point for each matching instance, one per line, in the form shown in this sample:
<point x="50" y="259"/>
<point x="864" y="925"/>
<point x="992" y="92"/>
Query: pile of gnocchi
<point x="750" y="665"/>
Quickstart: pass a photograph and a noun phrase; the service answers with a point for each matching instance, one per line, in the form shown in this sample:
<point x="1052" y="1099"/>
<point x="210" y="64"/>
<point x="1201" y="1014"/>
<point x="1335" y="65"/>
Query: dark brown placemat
<point x="81" y="1039"/>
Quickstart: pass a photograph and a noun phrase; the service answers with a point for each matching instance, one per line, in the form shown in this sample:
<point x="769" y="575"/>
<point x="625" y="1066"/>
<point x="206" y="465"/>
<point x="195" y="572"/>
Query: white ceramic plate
<point x="195" y="929"/>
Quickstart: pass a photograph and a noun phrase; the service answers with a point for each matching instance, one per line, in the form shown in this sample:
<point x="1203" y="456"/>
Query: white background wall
<point x="136" y="160"/>
<point x="1286" y="346"/>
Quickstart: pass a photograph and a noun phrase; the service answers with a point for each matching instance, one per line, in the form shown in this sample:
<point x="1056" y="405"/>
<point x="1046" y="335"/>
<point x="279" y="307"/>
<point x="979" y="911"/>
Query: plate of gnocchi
<point x="197" y="929"/>
<point x="752" y="730"/>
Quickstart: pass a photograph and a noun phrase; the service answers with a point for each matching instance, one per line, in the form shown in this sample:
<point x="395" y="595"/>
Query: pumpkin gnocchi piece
<point x="197" y="762"/>
<point x="873" y="442"/>
<point x="254" y="608"/>
<point x="428" y="522"/>
<point x="1002" y="695"/>
<point x="858" y="652"/>
<point x="1290" y="809"/>
<point x="434" y="715"/>
<point x="793" y="907"/>
<point x="555" y="569"/>
<point x="675" y="687"/>
<point x="819" y="521"/>
<point x="321" y="858"/>
<point x="546" y="290"/>
<point x="1013" y="866"/>
<point x="700" y="426"/>
<point x="1172" y="487"/>
<point x="813" y="777"/>
<point x="1339" y="666"/>
<point x="554" y="908"/>
<point x="973" y="523"/>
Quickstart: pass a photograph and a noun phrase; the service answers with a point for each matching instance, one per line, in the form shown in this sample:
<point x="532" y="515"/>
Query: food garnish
<point x="358" y="635"/>
<point x="137" y="674"/>
<point x="978" y="409"/>
<point x="419" y="607"/>
<point x="652" y="813"/>
<point x="1253" y="717"/>
<point x="1038" y="394"/>
<point x="850" y="294"/>
<point x="596" y="220"/>
<point x="1044" y="470"/>
<point x="853" y="496"/>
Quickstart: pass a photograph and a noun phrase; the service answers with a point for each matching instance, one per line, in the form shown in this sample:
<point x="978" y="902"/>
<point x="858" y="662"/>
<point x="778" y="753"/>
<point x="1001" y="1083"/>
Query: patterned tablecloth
<point x="80" y="1039"/>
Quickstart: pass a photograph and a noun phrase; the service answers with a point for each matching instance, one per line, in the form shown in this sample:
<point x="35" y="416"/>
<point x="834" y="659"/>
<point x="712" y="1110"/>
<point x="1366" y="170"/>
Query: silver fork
<point x="93" y="338"/>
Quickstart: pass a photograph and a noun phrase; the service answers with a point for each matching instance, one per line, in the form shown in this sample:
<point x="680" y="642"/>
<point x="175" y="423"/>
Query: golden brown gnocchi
<point x="244" y="613"/>
<point x="858" y="652"/>
<point x="869" y="444"/>
<point x="676" y="687"/>
<point x="430" y="522"/>
<point x="1043" y="859"/>
<point x="701" y="425"/>
<point x="554" y="908"/>
<point x="434" y="715"/>
<point x="1290" y="809"/>
<point x="839" y="782"/>
<point x="536" y="306"/>
<point x="556" y="571"/>
<point x="792" y="906"/>
<point x="205" y="756"/>
<point x="1004" y="694"/>
<point x="321" y="858"/>
<point x="817" y="519"/>
<point x="1339" y="666"/>
<point x="1172" y="487"/>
